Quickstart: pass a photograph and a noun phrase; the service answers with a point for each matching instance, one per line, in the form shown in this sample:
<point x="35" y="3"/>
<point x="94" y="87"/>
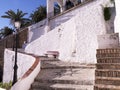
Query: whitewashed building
<point x="76" y="33"/>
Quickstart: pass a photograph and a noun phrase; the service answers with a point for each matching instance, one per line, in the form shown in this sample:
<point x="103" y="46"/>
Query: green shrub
<point x="7" y="86"/>
<point x="107" y="14"/>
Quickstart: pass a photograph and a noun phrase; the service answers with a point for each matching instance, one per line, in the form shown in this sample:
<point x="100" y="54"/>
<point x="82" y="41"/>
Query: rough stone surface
<point x="64" y="76"/>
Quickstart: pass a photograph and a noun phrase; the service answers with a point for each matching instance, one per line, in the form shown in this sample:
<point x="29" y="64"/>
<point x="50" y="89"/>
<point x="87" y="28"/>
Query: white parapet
<point x="117" y="18"/>
<point x="108" y="41"/>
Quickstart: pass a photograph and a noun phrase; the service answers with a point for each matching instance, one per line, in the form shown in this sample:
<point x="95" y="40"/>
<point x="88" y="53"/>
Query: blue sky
<point x="26" y="6"/>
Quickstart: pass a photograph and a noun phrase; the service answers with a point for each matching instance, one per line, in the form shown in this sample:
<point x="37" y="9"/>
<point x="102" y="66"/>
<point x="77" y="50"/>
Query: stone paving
<point x="59" y="75"/>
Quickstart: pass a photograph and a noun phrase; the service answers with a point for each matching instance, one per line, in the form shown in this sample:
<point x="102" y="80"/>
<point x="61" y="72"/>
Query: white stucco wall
<point x="25" y="83"/>
<point x="24" y="62"/>
<point x="117" y="18"/>
<point x="76" y="37"/>
<point x="108" y="41"/>
<point x="36" y="30"/>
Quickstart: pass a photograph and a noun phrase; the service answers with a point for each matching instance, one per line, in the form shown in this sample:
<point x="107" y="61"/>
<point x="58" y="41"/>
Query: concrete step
<point x="107" y="81"/>
<point x="108" y="60"/>
<point x="56" y="64"/>
<point x="106" y="87"/>
<point x="46" y="59"/>
<point x="59" y="75"/>
<point x="44" y="86"/>
<point x="107" y="73"/>
<point x="75" y="82"/>
<point x="108" y="66"/>
<point x="67" y="74"/>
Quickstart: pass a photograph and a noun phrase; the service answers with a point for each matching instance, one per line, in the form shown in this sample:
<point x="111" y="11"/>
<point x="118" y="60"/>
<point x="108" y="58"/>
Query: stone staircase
<point x="107" y="74"/>
<point x="59" y="75"/>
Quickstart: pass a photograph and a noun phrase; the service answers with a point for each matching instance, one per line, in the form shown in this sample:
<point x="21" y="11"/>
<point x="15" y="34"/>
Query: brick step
<point x="107" y="81"/>
<point x="108" y="60"/>
<point x="106" y="87"/>
<point x="107" y="73"/>
<point x="44" y="86"/>
<point x="108" y="66"/>
<point x="107" y="55"/>
<point x="108" y="51"/>
<point x="57" y="81"/>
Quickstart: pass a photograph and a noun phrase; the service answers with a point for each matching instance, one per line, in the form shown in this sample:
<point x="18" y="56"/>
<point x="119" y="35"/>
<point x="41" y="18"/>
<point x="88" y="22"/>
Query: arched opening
<point x="68" y="4"/>
<point x="56" y="8"/>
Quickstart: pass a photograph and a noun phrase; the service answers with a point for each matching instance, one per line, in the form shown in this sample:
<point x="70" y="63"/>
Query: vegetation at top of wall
<point x="39" y="14"/>
<point x="106" y="11"/>
<point x="5" y="32"/>
<point x="7" y="86"/>
<point x="107" y="14"/>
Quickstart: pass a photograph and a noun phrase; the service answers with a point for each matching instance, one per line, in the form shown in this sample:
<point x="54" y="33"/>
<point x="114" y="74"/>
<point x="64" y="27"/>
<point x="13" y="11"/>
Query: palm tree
<point x="38" y="15"/>
<point x="16" y="16"/>
<point x="6" y="31"/>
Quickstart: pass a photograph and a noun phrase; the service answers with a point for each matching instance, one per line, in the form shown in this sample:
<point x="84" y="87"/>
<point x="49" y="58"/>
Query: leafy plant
<point x="107" y="14"/>
<point x="7" y="86"/>
<point x="6" y="31"/>
<point x="39" y="14"/>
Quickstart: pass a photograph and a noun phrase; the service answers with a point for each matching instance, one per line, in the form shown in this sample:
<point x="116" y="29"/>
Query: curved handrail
<point x="20" y="84"/>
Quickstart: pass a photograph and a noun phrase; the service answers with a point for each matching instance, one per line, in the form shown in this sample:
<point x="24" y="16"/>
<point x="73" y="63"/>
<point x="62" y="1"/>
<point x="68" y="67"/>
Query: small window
<point x="56" y="8"/>
<point x="69" y="4"/>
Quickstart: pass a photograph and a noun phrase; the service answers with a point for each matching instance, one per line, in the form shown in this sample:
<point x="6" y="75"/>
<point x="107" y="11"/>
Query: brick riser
<point x="108" y="51"/>
<point x="108" y="66"/>
<point x="109" y="60"/>
<point x="104" y="55"/>
<point x="107" y="82"/>
<point x="107" y="73"/>
<point x="103" y="88"/>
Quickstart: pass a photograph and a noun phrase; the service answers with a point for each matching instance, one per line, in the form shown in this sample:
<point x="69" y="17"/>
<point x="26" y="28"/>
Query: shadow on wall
<point x="37" y="30"/>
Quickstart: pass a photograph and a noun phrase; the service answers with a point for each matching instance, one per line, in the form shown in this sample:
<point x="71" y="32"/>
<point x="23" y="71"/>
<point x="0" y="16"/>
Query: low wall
<point x="24" y="62"/>
<point x="28" y="69"/>
<point x="8" y="42"/>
